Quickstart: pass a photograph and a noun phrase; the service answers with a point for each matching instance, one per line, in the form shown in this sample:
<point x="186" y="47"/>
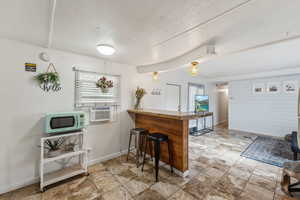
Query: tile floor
<point x="217" y="172"/>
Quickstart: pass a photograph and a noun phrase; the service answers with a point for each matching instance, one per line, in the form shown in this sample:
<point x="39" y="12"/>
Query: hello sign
<point x="49" y="81"/>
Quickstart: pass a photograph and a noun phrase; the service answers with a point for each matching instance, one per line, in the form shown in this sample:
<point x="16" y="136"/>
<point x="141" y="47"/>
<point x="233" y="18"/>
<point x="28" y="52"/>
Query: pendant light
<point x="155" y="76"/>
<point x="194" y="68"/>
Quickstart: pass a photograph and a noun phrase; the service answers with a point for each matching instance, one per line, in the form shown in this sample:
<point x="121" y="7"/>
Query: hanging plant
<point x="49" y="80"/>
<point x="104" y="84"/>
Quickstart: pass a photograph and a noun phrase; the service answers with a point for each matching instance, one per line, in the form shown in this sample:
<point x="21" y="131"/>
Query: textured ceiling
<point x="146" y="32"/>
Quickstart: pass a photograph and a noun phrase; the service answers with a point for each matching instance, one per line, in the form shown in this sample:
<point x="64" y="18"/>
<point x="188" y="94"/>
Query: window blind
<point x="87" y="94"/>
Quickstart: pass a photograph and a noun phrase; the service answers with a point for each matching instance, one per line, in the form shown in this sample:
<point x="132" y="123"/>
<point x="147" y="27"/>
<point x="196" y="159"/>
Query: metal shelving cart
<point x="48" y="178"/>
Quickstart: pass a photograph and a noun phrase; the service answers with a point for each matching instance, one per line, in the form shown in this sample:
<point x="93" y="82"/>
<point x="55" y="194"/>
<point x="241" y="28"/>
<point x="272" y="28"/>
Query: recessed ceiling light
<point x="105" y="49"/>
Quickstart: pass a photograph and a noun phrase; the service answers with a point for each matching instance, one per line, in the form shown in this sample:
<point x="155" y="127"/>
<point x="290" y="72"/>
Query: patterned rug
<point x="269" y="150"/>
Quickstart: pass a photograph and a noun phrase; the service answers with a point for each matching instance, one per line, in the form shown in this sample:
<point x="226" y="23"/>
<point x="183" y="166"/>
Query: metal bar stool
<point x="158" y="138"/>
<point x="139" y="134"/>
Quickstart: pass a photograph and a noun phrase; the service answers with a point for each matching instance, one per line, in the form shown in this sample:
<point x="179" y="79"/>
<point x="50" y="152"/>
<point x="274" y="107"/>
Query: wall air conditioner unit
<point x="101" y="114"/>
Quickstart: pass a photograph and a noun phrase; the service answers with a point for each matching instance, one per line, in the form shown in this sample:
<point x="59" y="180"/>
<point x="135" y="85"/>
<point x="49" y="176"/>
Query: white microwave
<point x="101" y="114"/>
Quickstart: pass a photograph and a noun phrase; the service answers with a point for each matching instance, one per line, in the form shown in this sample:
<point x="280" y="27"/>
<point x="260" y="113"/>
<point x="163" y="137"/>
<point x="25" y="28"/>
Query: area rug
<point x="269" y="150"/>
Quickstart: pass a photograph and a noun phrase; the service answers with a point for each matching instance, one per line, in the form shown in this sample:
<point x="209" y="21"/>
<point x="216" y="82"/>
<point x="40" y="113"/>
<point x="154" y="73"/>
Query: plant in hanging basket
<point x="49" y="80"/>
<point x="52" y="77"/>
<point x="104" y="84"/>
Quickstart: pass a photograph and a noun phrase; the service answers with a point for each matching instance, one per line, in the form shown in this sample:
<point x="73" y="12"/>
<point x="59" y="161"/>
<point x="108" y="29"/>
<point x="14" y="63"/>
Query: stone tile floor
<point x="217" y="172"/>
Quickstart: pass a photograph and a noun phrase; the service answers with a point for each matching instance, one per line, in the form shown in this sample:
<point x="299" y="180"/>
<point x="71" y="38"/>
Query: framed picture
<point x="290" y="86"/>
<point x="273" y="87"/>
<point x="259" y="88"/>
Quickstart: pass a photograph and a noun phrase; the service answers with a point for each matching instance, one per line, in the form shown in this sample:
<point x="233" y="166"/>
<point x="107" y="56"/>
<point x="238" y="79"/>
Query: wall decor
<point x="49" y="80"/>
<point x="104" y="84"/>
<point x="273" y="87"/>
<point x="156" y="91"/>
<point x="259" y="88"/>
<point x="30" y="67"/>
<point x="290" y="87"/>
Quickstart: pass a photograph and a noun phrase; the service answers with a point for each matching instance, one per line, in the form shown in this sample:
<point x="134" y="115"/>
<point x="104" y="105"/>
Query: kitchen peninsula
<point x="175" y="125"/>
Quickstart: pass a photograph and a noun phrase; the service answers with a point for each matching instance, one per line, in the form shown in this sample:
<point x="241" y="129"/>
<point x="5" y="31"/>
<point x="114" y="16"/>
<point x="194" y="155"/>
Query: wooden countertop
<point x="170" y="114"/>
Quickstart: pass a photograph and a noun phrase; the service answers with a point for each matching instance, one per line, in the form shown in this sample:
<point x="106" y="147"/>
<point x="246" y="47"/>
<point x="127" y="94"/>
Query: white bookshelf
<point x="48" y="178"/>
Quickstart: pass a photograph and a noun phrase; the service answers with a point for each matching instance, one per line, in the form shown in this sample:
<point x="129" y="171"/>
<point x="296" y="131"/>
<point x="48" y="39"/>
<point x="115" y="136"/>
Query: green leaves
<point x="52" y="77"/>
<point x="49" y="81"/>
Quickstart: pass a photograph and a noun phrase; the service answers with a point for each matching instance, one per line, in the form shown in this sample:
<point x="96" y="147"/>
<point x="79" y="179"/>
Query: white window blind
<point x="87" y="94"/>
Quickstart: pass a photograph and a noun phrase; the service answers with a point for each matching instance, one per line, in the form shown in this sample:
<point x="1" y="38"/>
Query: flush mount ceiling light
<point x="194" y="68"/>
<point x="106" y="49"/>
<point x="155" y="76"/>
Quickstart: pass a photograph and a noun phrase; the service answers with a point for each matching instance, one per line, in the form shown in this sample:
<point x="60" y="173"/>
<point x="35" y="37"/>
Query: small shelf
<point x="62" y="174"/>
<point x="64" y="155"/>
<point x="66" y="172"/>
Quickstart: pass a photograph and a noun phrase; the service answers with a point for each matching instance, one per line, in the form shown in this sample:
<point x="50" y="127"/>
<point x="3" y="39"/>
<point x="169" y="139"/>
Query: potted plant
<point x="104" y="84"/>
<point x="139" y="93"/>
<point x="54" y="147"/>
<point x="49" y="80"/>
<point x="48" y="77"/>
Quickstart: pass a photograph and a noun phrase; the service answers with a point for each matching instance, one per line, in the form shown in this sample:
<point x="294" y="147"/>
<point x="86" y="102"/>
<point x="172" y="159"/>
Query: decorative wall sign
<point x="49" y="80"/>
<point x="30" y="67"/>
<point x="273" y="87"/>
<point x="156" y="91"/>
<point x="259" y="88"/>
<point x="290" y="86"/>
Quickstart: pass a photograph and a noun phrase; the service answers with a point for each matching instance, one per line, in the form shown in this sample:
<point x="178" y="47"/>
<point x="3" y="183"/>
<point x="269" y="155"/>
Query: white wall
<point x="270" y="114"/>
<point x="23" y="105"/>
<point x="181" y="77"/>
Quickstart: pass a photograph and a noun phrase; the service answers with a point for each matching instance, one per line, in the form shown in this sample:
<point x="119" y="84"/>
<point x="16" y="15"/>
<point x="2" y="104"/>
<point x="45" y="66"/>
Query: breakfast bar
<point x="175" y="125"/>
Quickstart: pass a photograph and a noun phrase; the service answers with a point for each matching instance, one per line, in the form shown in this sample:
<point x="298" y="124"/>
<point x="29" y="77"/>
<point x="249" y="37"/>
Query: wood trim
<point x="171" y="114"/>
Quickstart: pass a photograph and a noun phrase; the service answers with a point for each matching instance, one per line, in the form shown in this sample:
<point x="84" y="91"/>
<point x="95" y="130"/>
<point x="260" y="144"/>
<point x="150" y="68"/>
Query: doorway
<point x="173" y="97"/>
<point x="222" y="105"/>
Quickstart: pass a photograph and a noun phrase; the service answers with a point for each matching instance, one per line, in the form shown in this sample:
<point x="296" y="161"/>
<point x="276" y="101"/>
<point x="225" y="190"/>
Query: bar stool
<point x="139" y="134"/>
<point x="157" y="138"/>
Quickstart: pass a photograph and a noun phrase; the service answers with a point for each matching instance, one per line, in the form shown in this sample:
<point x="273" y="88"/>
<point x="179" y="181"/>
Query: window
<point x="87" y="94"/>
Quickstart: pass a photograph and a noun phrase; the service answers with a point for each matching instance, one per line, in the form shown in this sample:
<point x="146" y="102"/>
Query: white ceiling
<point x="151" y="31"/>
<point x="279" y="56"/>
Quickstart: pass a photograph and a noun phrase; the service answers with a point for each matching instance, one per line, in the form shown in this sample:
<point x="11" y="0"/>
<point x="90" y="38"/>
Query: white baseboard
<point x="107" y="157"/>
<point x="30" y="181"/>
<point x="15" y="186"/>
<point x="257" y="133"/>
<point x="221" y="122"/>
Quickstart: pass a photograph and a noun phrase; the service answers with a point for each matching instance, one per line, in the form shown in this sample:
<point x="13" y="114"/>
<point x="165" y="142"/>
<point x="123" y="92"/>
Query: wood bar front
<point x="175" y="125"/>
